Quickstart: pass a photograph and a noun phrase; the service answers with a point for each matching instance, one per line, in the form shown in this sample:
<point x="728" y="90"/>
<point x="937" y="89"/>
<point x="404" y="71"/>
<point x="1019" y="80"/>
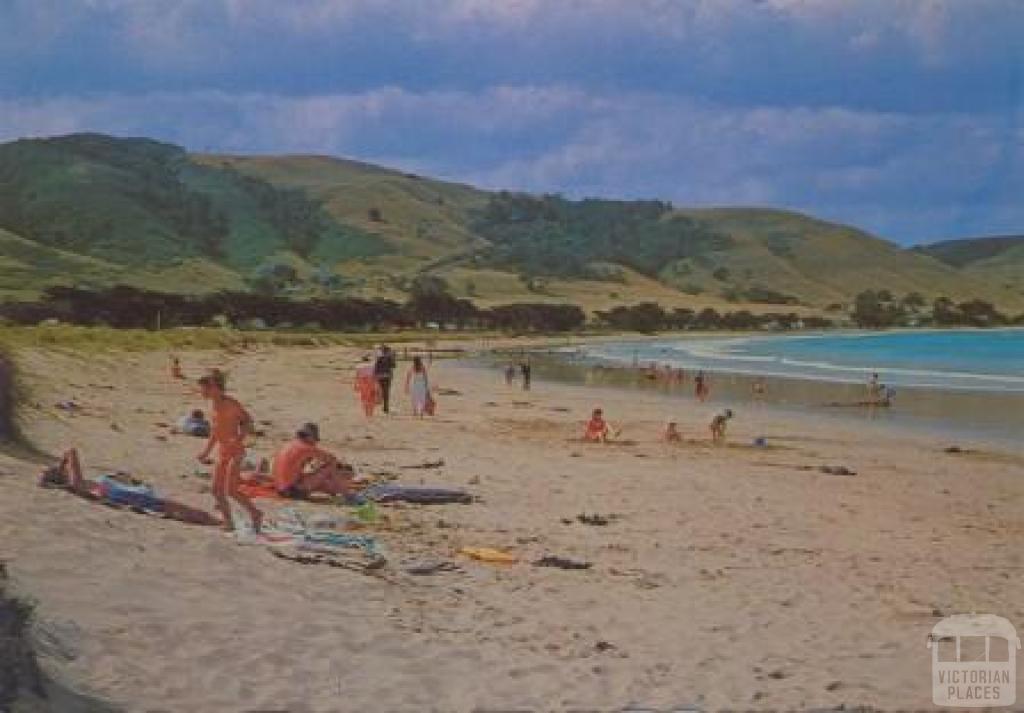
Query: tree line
<point x="878" y="309"/>
<point x="132" y="308"/>
<point x="429" y="304"/>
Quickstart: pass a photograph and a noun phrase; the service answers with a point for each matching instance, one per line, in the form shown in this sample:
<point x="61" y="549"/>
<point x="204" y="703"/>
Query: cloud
<point x="903" y="115"/>
<point x="733" y="33"/>
<point x="893" y="173"/>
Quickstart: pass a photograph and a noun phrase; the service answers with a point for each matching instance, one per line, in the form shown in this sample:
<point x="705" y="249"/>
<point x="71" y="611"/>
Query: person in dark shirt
<point x="526" y="370"/>
<point x="384" y="371"/>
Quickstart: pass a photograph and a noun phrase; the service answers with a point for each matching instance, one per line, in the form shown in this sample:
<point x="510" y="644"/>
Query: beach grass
<point x="93" y="339"/>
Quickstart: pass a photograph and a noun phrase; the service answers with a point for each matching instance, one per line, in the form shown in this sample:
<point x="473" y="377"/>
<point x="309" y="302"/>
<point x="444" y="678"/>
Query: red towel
<point x="253" y="489"/>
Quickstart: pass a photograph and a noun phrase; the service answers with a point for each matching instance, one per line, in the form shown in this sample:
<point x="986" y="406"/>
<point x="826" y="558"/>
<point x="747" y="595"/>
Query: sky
<point x="903" y="117"/>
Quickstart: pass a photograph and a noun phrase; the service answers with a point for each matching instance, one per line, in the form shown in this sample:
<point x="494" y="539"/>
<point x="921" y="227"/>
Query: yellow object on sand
<point x="489" y="554"/>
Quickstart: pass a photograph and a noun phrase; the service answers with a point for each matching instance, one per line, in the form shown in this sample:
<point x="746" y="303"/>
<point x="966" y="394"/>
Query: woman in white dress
<point x="417" y="385"/>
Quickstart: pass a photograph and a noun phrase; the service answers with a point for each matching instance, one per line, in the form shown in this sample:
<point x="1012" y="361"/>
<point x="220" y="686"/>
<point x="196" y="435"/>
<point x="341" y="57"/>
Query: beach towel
<point x="255" y="489"/>
<point x="489" y="554"/>
<point x="135" y="495"/>
<point x="290" y="527"/>
<point x="389" y="493"/>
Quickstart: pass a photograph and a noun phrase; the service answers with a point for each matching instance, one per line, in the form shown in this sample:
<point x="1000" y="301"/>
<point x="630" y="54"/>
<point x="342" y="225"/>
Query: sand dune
<point x="728" y="576"/>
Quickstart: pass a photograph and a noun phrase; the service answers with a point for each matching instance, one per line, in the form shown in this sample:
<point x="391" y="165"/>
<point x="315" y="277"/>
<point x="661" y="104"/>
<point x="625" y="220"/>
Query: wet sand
<point x="729" y="576"/>
<point x="988" y="417"/>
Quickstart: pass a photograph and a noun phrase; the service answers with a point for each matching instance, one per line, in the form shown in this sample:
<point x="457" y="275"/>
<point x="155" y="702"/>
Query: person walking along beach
<point x="367" y="386"/>
<point x="231" y="423"/>
<point x="384" y="370"/>
<point x="417" y="385"/>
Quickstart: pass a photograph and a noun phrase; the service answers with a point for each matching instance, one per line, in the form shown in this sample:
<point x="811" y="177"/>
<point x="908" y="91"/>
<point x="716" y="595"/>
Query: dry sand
<point x="731" y="576"/>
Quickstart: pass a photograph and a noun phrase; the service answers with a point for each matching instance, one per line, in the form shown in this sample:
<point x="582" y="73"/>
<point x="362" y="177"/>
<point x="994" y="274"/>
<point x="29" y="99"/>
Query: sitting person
<point x="598" y="430"/>
<point x="672" y="434"/>
<point x="718" y="425"/>
<point x="68" y="475"/>
<point x="195" y="424"/>
<point x="302" y="468"/>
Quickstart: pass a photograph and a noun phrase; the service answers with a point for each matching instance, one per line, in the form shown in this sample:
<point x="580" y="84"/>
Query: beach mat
<point x="390" y="493"/>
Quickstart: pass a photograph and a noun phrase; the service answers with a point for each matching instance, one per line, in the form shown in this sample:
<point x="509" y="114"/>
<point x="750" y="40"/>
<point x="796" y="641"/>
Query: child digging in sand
<point x="598" y="430"/>
<point x="231" y="423"/>
<point x="718" y="425"/>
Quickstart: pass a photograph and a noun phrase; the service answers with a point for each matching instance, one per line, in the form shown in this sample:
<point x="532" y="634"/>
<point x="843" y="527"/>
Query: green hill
<point x="99" y="210"/>
<point x="997" y="259"/>
<point x="143" y="203"/>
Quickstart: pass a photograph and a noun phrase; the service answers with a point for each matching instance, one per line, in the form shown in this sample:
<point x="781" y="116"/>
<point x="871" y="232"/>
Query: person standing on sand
<point x="526" y="371"/>
<point x="758" y="389"/>
<point x="231" y="423"/>
<point x="417" y="385"/>
<point x="700" y="386"/>
<point x="384" y="370"/>
<point x="367" y="386"/>
<point x="510" y="374"/>
<point x="176" y="372"/>
<point x="874" y="389"/>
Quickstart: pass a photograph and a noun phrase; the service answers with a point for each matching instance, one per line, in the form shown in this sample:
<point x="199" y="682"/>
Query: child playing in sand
<point x="718" y="425"/>
<point x="672" y="434"/>
<point x="598" y="430"/>
<point x="231" y="424"/>
<point x="176" y="372"/>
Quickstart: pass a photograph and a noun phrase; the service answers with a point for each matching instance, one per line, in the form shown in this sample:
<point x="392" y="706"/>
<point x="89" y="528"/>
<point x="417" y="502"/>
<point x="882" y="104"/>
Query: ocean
<point x="961" y="383"/>
<point x="977" y="360"/>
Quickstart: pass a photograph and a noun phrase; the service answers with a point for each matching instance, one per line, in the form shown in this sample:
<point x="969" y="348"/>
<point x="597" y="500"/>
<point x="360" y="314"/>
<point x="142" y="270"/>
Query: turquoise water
<point x="990" y="360"/>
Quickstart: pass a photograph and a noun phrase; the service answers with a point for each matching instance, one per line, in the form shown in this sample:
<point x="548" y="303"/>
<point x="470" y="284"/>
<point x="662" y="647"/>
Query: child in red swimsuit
<point x="598" y="430"/>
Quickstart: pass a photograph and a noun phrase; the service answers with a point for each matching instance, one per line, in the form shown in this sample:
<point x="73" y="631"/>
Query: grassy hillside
<point x="824" y="262"/>
<point x="967" y="251"/>
<point x="140" y="203"/>
<point x="999" y="260"/>
<point x="96" y="210"/>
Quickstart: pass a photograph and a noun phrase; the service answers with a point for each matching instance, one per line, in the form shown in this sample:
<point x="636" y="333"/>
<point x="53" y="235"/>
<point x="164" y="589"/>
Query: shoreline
<point x="993" y="418"/>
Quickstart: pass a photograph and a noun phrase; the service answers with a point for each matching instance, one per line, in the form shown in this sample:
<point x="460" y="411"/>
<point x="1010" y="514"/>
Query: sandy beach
<point x="726" y="577"/>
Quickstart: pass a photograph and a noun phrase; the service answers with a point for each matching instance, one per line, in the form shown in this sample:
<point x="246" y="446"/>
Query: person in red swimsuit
<point x="230" y="425"/>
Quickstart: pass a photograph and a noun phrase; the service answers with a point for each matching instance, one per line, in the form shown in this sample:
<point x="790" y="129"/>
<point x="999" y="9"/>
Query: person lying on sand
<point x="68" y="475"/>
<point x="598" y="430"/>
<point x="718" y="425"/>
<point x="302" y="468"/>
<point x="231" y="424"/>
<point x="672" y="434"/>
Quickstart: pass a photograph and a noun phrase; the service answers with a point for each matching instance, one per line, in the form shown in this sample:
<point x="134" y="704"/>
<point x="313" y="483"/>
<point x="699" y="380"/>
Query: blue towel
<point x="136" y="496"/>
